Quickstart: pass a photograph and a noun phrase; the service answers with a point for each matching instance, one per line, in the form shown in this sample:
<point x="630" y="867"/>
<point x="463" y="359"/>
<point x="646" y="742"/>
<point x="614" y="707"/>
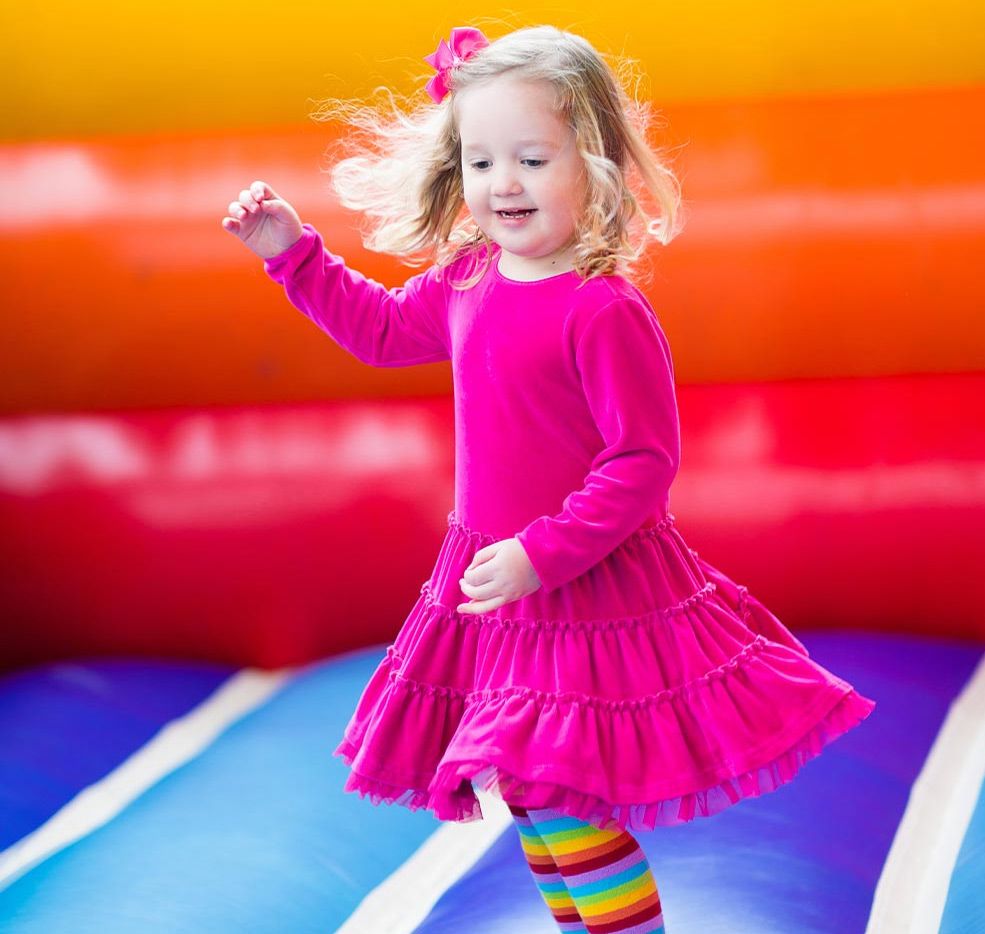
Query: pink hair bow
<point x="465" y="42"/>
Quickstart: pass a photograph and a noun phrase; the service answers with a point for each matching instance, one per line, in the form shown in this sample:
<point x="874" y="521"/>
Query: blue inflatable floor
<point x="165" y="797"/>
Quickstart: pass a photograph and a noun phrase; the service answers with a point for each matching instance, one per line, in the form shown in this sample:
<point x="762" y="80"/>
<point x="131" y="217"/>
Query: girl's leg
<point x="606" y="872"/>
<point x="549" y="881"/>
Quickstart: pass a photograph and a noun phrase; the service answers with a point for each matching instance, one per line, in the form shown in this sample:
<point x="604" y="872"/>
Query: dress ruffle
<point x="648" y="691"/>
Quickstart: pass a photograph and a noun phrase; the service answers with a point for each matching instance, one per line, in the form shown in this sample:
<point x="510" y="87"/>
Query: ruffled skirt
<point x="648" y="691"/>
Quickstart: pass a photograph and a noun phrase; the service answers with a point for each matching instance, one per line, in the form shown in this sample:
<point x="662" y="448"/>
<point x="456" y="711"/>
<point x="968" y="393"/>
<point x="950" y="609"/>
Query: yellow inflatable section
<point x="78" y="69"/>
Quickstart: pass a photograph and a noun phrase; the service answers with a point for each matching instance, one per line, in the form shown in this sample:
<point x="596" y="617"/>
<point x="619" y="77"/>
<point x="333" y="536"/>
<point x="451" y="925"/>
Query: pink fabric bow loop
<point x="465" y="42"/>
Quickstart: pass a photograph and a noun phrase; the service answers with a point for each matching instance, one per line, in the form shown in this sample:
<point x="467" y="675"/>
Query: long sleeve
<point x="401" y="326"/>
<point x="626" y="371"/>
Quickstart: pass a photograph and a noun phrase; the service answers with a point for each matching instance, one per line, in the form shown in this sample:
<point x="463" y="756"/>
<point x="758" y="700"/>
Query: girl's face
<point x="518" y="154"/>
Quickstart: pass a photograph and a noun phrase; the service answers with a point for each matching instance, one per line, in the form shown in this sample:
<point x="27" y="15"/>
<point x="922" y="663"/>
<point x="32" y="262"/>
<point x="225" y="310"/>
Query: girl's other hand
<point x="265" y="222"/>
<point x="499" y="573"/>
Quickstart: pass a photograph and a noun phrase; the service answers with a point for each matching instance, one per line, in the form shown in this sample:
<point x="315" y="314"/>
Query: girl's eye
<point x="484" y="162"/>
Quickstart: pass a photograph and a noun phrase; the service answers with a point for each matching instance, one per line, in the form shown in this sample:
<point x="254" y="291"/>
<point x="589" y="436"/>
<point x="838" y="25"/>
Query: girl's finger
<point x="230" y="224"/>
<point x="473" y="590"/>
<point x="477" y="578"/>
<point x="246" y="199"/>
<point x="261" y="191"/>
<point x="481" y="606"/>
<point x="479" y="558"/>
<point x="484" y="591"/>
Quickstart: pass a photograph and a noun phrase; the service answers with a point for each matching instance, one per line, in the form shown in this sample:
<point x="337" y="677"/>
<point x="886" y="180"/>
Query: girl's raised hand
<point x="266" y="223"/>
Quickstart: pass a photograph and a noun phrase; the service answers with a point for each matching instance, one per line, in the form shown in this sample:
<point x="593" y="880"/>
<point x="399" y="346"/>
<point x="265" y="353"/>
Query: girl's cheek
<point x="472" y="201"/>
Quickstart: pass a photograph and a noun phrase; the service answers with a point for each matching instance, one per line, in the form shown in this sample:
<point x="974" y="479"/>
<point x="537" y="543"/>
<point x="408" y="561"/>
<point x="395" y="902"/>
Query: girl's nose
<point x="505" y="184"/>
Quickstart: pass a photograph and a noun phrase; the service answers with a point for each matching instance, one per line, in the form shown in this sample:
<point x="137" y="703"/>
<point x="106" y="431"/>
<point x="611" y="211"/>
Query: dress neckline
<point x="498" y="251"/>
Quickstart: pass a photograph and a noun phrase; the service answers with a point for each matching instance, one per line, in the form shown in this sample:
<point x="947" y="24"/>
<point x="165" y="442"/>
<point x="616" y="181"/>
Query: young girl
<point x="569" y="653"/>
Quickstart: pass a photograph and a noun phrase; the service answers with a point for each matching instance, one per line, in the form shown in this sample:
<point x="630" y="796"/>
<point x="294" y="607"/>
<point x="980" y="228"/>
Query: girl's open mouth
<point x="514" y="216"/>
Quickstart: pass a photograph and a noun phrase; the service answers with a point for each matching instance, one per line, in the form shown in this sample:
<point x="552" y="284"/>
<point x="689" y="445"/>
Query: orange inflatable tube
<point x="825" y="237"/>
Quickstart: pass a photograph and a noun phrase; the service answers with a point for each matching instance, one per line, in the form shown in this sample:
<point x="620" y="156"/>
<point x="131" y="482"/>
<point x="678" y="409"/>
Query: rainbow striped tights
<point x="592" y="880"/>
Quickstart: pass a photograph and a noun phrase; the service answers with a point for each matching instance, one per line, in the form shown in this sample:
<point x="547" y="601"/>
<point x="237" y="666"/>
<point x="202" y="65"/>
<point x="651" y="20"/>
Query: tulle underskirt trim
<point x="450" y="792"/>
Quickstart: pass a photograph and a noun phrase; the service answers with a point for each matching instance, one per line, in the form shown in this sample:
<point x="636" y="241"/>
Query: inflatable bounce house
<point x="213" y="519"/>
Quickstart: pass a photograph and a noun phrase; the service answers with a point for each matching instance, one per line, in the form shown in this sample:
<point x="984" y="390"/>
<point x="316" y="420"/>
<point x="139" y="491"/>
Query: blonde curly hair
<point x="403" y="169"/>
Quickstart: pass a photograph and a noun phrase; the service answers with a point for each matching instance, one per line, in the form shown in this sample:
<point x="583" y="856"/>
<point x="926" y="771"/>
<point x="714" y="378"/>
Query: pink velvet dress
<point x="638" y="686"/>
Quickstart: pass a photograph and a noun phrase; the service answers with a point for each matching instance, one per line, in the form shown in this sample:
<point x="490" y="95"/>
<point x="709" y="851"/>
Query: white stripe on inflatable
<point x="404" y="899"/>
<point x="172" y="746"/>
<point x="912" y="889"/>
